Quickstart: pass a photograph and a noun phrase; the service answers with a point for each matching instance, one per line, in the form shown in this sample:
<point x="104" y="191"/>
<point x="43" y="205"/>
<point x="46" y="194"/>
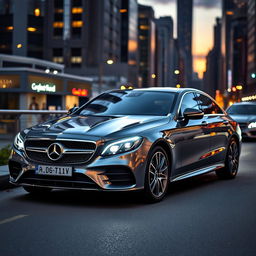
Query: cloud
<point x="198" y="3"/>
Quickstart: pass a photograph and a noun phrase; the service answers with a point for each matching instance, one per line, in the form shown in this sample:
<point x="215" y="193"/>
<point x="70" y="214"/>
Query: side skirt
<point x="198" y="172"/>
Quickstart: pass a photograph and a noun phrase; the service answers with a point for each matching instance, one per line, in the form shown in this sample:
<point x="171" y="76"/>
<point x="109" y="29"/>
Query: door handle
<point x="204" y="123"/>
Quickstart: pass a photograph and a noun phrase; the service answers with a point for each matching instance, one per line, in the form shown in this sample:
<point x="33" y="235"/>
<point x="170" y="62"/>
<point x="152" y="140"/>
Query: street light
<point x="176" y="72"/>
<point x="153" y="76"/>
<point x="110" y="62"/>
<point x="253" y="75"/>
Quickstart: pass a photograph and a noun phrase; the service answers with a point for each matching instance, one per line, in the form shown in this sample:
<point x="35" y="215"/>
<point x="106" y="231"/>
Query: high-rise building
<point x="238" y="45"/>
<point x="147" y="46"/>
<point x="185" y="21"/>
<point x="86" y="33"/>
<point x="164" y="53"/>
<point x="129" y="38"/>
<point x="251" y="56"/>
<point x="211" y="81"/>
<point x="22" y="27"/>
<point x="228" y="8"/>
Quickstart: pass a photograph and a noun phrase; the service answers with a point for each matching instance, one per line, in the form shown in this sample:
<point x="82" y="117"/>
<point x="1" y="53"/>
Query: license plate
<point x="54" y="170"/>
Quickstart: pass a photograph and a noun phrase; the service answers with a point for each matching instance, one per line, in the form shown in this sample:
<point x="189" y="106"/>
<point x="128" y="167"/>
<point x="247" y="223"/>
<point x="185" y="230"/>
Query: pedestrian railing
<point x="12" y="121"/>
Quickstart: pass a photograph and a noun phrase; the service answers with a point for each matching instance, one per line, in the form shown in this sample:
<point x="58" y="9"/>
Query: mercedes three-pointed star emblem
<point x="55" y="151"/>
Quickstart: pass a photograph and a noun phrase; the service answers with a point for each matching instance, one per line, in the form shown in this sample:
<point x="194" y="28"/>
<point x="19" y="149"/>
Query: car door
<point x="195" y="137"/>
<point x="218" y="126"/>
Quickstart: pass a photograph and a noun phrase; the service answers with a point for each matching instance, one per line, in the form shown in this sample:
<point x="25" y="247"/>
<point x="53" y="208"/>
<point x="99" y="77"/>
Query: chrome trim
<point x="37" y="149"/>
<point x="62" y="139"/>
<point x="70" y="188"/>
<point x="65" y="151"/>
<point x="77" y="151"/>
<point x="197" y="91"/>
<point x="198" y="172"/>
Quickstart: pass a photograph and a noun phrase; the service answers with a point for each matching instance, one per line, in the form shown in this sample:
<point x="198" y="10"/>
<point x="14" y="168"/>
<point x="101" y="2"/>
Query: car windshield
<point x="130" y="103"/>
<point x="244" y="109"/>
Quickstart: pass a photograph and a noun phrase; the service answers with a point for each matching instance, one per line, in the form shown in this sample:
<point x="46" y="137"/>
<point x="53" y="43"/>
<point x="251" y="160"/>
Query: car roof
<point x="164" y="89"/>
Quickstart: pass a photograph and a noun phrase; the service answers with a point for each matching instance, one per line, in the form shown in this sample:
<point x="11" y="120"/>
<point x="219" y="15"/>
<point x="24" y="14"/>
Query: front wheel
<point x="231" y="163"/>
<point x="157" y="175"/>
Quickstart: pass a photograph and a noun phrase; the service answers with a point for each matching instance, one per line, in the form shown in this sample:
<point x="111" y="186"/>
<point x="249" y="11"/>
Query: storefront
<point x="29" y="89"/>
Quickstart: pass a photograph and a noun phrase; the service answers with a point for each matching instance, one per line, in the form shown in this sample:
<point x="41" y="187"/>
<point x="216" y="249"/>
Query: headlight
<point x="252" y="125"/>
<point x="18" y="142"/>
<point x="122" y="146"/>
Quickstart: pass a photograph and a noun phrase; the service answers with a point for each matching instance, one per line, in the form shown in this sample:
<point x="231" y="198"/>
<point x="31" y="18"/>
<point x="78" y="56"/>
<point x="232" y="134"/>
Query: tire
<point x="36" y="191"/>
<point x="231" y="162"/>
<point x="157" y="175"/>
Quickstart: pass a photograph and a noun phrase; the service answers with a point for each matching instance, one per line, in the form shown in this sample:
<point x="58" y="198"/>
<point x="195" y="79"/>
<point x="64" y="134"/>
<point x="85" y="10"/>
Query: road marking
<point x="12" y="219"/>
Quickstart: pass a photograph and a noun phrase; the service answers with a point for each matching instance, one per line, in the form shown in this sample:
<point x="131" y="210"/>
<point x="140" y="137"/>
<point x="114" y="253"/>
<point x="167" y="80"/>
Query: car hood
<point x="97" y="126"/>
<point x="243" y="118"/>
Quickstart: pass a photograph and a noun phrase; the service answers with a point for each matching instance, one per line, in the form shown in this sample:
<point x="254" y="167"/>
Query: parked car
<point x="245" y="114"/>
<point x="125" y="140"/>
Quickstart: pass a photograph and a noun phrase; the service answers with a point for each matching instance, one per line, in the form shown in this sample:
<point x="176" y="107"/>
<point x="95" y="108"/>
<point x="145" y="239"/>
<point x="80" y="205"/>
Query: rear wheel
<point x="157" y="175"/>
<point x="231" y="163"/>
<point x="36" y="191"/>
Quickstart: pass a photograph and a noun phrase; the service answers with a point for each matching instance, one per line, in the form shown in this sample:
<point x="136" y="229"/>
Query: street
<point x="199" y="216"/>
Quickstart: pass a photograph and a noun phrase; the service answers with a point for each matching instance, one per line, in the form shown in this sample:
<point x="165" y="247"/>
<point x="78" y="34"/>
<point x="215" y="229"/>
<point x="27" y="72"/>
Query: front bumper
<point x="113" y="173"/>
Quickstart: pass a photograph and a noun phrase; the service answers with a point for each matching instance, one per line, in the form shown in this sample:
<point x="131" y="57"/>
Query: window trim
<point x="177" y="115"/>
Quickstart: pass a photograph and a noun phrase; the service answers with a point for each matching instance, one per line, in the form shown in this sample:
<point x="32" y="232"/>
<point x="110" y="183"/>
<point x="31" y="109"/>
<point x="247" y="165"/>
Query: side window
<point x="207" y="105"/>
<point x="188" y="101"/>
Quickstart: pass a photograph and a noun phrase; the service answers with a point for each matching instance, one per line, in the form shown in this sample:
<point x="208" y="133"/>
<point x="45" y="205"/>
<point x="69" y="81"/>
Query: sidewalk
<point x="4" y="176"/>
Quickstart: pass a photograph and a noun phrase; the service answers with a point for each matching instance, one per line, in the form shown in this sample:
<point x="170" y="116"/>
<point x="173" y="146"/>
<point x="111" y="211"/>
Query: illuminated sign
<point x="41" y="87"/>
<point x="5" y="83"/>
<point x="80" y="92"/>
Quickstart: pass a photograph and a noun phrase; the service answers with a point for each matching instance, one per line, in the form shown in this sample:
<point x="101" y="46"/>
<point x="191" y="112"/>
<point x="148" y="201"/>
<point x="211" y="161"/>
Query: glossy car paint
<point x="193" y="146"/>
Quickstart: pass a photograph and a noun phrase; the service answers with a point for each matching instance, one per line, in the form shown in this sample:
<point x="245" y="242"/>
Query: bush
<point x="4" y="154"/>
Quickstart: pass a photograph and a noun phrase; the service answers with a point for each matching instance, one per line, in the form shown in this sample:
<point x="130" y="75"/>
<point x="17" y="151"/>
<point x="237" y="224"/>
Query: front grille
<point x="67" y="158"/>
<point x="78" y="180"/>
<point x="118" y="176"/>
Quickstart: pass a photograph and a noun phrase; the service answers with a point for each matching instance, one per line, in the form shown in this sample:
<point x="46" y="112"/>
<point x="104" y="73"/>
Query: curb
<point x="4" y="177"/>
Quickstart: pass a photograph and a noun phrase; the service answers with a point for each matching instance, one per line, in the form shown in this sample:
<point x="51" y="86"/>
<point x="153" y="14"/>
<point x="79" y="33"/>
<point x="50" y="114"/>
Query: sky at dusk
<point x="204" y="15"/>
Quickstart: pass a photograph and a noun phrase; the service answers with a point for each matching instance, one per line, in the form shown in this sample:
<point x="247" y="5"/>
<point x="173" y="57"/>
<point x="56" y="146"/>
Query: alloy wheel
<point x="233" y="157"/>
<point x="158" y="174"/>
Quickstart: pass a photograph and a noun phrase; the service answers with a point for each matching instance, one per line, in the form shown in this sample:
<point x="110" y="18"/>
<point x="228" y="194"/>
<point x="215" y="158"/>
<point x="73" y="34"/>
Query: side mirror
<point x="72" y="110"/>
<point x="190" y="113"/>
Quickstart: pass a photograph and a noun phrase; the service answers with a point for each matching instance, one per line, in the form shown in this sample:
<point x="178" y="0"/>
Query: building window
<point x="57" y="55"/>
<point x="76" y="57"/>
<point x="77" y="3"/>
<point x="58" y="3"/>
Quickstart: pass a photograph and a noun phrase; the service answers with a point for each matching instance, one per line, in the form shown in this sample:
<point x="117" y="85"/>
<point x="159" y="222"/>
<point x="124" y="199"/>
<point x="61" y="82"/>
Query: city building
<point x="129" y="39"/>
<point x="164" y="52"/>
<point x="185" y="21"/>
<point x="22" y="27"/>
<point x="211" y="80"/>
<point x="228" y="8"/>
<point x="147" y="46"/>
<point x="238" y="46"/>
<point x="251" y="47"/>
<point x="23" y="78"/>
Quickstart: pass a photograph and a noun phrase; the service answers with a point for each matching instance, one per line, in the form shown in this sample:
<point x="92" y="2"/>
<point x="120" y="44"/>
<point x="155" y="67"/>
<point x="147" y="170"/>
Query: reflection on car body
<point x="126" y="140"/>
